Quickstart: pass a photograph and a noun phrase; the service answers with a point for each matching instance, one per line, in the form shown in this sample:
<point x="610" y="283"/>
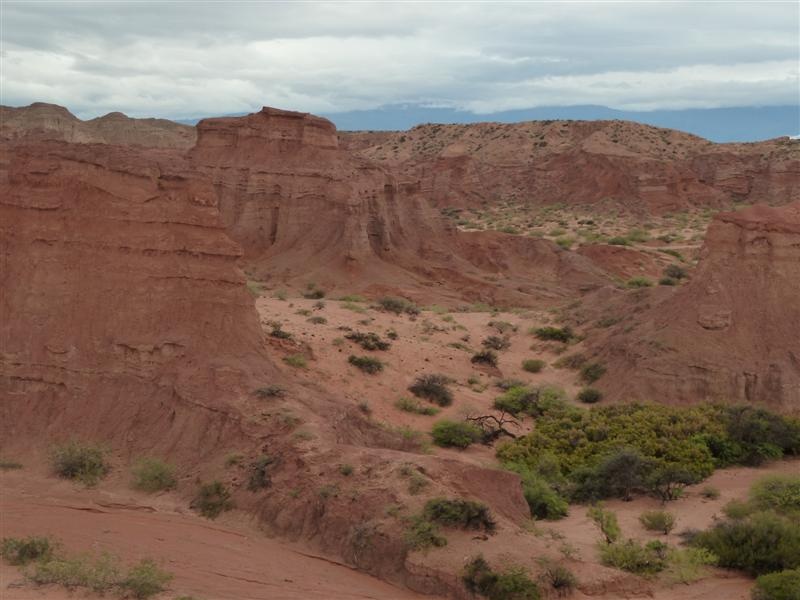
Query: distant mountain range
<point x="740" y="124"/>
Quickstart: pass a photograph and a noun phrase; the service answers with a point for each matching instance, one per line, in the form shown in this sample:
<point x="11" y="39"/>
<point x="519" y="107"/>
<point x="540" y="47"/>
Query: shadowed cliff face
<point x="122" y="307"/>
<point x="733" y="332"/>
<point x="610" y="164"/>
<point x="306" y="210"/>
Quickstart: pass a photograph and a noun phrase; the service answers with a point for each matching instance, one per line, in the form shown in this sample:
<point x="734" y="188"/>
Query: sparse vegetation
<point x="455" y="434"/>
<point x="368" y="341"/>
<point x="591" y="372"/>
<point x="434" y="388"/>
<point x="494" y="342"/>
<point x="632" y="556"/>
<point x="554" y="334"/>
<point x="533" y="365"/>
<point x="710" y="492"/>
<point x="413" y="406"/>
<point x="638" y="282"/>
<point x="153" y="475"/>
<point x="422" y="534"/>
<point x="590" y="395"/>
<point x="398" y="305"/>
<point x="212" y="500"/>
<point x="367" y="364"/>
<point x="296" y="360"/>
<point x="259" y="477"/>
<point x="464" y="514"/>
<point x="9" y="465"/>
<point x="658" y="520"/>
<point x="80" y="461"/>
<point x="485" y="357"/>
<point x="512" y="584"/>
<point x="270" y="391"/>
<point x="21" y="551"/>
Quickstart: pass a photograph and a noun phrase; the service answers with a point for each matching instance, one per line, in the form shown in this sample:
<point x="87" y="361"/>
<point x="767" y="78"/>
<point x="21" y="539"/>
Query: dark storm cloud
<point x="190" y="58"/>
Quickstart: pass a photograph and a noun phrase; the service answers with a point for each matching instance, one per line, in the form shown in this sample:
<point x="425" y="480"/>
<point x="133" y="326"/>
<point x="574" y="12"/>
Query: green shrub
<point x="543" y="501"/>
<point x="658" y="520"/>
<point x="455" y="434"/>
<point x="413" y="406"/>
<point x="617" y="474"/>
<point x="780" y="493"/>
<point x="556" y="334"/>
<point x="366" y="363"/>
<point x="784" y="585"/>
<point x="346" y="470"/>
<point x="631" y="556"/>
<point x="619" y="241"/>
<point x="423" y="534"/>
<point x="710" y="492"/>
<point x="432" y="387"/>
<point x="398" y="305"/>
<point x="368" y="341"/>
<point x="212" y="500"/>
<point x="317" y="320"/>
<point x="9" y="465"/>
<point x="667" y="281"/>
<point x="533" y="365"/>
<point x="145" y="579"/>
<point x="79" y="461"/>
<point x="560" y="579"/>
<point x="512" y="584"/>
<point x="153" y="475"/>
<point x="502" y="326"/>
<point x="606" y="522"/>
<point x="21" y="551"/>
<point x="591" y="372"/>
<point x="259" y="477"/>
<point x="638" y="282"/>
<point x="296" y="360"/>
<point x="761" y="543"/>
<point x="464" y="514"/>
<point x="495" y="342"/>
<point x="518" y="400"/>
<point x="590" y="395"/>
<point x="278" y="332"/>
<point x="99" y="574"/>
<point x="687" y="565"/>
<point x="485" y="357"/>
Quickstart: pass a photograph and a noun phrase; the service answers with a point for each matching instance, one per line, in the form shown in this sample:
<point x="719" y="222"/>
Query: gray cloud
<point x="182" y="59"/>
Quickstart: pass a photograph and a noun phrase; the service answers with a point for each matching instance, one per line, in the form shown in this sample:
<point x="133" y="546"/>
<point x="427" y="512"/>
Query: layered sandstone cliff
<point x="305" y="209"/>
<point x="41" y="121"/>
<point x="122" y="308"/>
<point x="608" y="164"/>
<point x="731" y="334"/>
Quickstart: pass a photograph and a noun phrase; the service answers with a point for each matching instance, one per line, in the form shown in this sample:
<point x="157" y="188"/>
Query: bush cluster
<point x="616" y="451"/>
<point x="434" y="388"/>
<point x="495" y="342"/>
<point x="415" y="407"/>
<point x="485" y="357"/>
<point x="368" y="341"/>
<point x="80" y="461"/>
<point x="455" y="434"/>
<point x="367" y="364"/>
<point x="464" y="514"/>
<point x="212" y="500"/>
<point x="532" y="401"/>
<point x="153" y="475"/>
<point x="533" y="365"/>
<point x="556" y="334"/>
<point x="398" y="305"/>
<point x="511" y="584"/>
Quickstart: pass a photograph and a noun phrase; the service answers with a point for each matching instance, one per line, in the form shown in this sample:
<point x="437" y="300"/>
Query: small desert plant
<point x="21" y="551"/>
<point x="423" y="534"/>
<point x="153" y="475"/>
<point x="502" y="326"/>
<point x="346" y="470"/>
<point x="533" y="365"/>
<point x="212" y="500"/>
<point x="368" y="341"/>
<point x="783" y="585"/>
<point x="296" y="360"/>
<point x="455" y="434"/>
<point x="777" y="492"/>
<point x="278" y="332"/>
<point x="555" y="334"/>
<point x="270" y="391"/>
<point x="590" y="395"/>
<point x="317" y="320"/>
<point x="9" y="465"/>
<point x="591" y="372"/>
<point x="674" y="272"/>
<point x="638" y="282"/>
<point x="658" y="520"/>
<point x="710" y="492"/>
<point x="464" y="514"/>
<point x="606" y="521"/>
<point x="366" y="363"/>
<point x="432" y="387"/>
<point x="688" y="564"/>
<point x="413" y="406"/>
<point x="560" y="579"/>
<point x="79" y="461"/>
<point x="145" y="579"/>
<point x="570" y="361"/>
<point x="511" y="584"/>
<point x="398" y="305"/>
<point x="667" y="281"/>
<point x="314" y="293"/>
<point x="259" y="477"/>
<point x="494" y="342"/>
<point x="485" y="357"/>
<point x="631" y="556"/>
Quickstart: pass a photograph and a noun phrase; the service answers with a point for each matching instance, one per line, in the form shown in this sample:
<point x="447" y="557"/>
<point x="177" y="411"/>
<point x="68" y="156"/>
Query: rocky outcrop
<point x="41" y="121"/>
<point x="305" y="209"/>
<point x="123" y="310"/>
<point x="732" y="333"/>
<point x="607" y="164"/>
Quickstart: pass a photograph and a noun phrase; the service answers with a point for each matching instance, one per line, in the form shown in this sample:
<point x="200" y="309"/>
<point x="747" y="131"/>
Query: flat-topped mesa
<point x="237" y="139"/>
<point x="731" y="334"/>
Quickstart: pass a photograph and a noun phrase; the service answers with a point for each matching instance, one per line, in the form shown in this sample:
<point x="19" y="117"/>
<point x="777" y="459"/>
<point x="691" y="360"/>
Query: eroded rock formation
<point x="731" y="334"/>
<point x="607" y="164"/>
<point x="41" y="121"/>
<point x="122" y="306"/>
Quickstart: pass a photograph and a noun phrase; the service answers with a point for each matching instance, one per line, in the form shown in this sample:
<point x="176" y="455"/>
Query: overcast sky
<point x="186" y="59"/>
